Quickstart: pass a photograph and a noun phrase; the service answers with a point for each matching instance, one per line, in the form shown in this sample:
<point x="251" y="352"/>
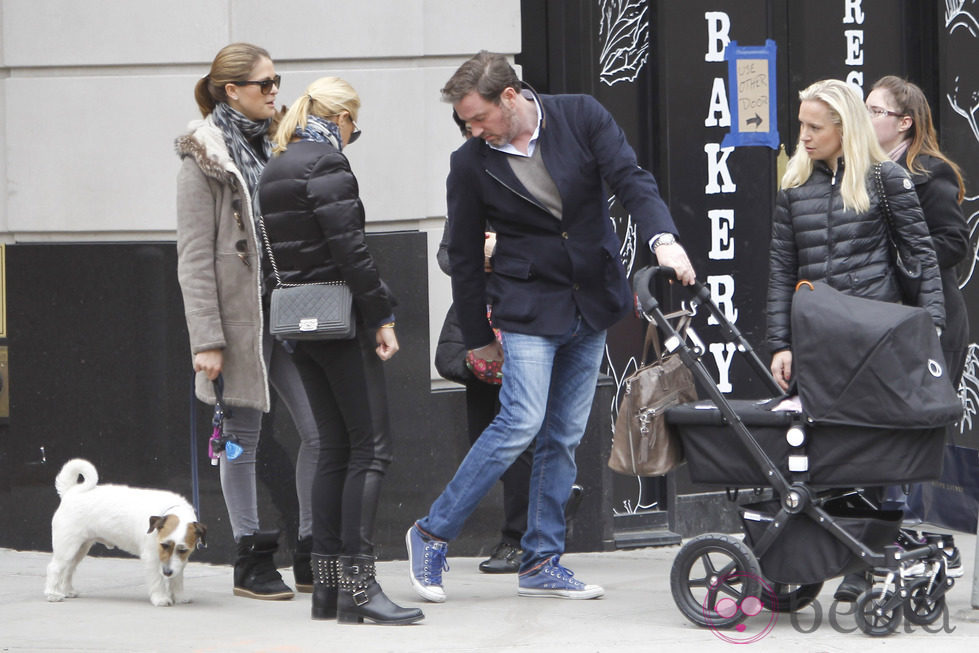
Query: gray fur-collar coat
<point x="221" y="290"/>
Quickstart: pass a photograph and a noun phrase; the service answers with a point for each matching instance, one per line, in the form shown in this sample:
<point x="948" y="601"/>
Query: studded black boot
<point x="302" y="570"/>
<point x="360" y="597"/>
<point x="326" y="579"/>
<point x="255" y="574"/>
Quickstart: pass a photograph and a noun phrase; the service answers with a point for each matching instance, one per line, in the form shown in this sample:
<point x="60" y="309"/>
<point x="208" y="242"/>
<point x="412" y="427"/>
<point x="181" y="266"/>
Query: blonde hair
<point x="326" y="97"/>
<point x="859" y="141"/>
<point x="233" y="63"/>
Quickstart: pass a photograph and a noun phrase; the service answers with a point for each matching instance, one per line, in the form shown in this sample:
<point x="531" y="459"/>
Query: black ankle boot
<point x="302" y="570"/>
<point x="255" y="574"/>
<point x="326" y="579"/>
<point x="360" y="597"/>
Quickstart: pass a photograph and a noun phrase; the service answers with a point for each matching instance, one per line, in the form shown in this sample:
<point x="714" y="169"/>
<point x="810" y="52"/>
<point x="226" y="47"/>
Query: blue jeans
<point x="548" y="387"/>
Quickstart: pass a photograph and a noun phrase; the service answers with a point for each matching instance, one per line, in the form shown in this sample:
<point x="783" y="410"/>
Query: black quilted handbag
<point x="309" y="311"/>
<point x="312" y="311"/>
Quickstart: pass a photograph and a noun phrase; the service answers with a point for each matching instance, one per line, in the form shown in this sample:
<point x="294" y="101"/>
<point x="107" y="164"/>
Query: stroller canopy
<point x="868" y="363"/>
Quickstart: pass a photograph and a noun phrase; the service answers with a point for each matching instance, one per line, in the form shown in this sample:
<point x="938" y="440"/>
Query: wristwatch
<point x="664" y="239"/>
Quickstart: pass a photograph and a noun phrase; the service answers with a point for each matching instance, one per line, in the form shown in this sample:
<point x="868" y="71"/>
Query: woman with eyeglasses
<point x="904" y="128"/>
<point x="218" y="266"/>
<point x="314" y="221"/>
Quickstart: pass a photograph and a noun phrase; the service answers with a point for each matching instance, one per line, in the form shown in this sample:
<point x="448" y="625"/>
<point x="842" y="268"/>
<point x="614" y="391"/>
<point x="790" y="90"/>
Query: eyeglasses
<point x="265" y="85"/>
<point x="880" y="112"/>
<point x="355" y="134"/>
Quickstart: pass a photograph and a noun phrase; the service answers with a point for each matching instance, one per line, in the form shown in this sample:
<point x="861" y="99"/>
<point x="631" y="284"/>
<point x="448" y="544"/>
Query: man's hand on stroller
<point x="673" y="255"/>
<point x="782" y="368"/>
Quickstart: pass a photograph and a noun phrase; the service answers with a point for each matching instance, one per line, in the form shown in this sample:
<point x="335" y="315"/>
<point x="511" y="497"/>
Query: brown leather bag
<point x="643" y="443"/>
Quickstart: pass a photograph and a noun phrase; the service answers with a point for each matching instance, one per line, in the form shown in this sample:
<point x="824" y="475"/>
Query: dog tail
<point x="68" y="480"/>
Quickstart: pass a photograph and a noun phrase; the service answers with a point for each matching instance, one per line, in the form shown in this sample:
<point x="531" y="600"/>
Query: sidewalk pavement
<point x="483" y="613"/>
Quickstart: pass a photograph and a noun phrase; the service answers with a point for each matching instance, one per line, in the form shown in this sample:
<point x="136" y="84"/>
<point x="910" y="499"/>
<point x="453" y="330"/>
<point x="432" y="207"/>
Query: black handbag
<point x="450" y="353"/>
<point x="309" y="311"/>
<point x="908" y="269"/>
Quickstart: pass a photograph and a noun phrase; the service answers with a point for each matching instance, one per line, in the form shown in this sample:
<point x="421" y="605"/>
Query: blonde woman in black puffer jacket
<point x="314" y="221"/>
<point x="828" y="225"/>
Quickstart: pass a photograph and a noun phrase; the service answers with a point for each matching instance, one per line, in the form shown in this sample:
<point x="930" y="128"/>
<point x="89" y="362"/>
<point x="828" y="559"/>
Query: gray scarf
<point x="241" y="135"/>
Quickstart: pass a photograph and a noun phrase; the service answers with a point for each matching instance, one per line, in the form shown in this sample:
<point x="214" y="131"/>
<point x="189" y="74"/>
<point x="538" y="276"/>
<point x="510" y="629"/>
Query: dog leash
<point x="195" y="482"/>
<point x="219" y="443"/>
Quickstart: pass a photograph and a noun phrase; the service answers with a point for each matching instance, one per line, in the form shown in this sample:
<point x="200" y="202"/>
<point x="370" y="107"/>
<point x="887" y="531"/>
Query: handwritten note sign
<point x="751" y="84"/>
<point x="753" y="98"/>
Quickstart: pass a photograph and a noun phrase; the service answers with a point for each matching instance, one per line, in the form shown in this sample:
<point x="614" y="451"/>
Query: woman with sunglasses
<point x="218" y="266"/>
<point x="314" y="222"/>
<point x="904" y="128"/>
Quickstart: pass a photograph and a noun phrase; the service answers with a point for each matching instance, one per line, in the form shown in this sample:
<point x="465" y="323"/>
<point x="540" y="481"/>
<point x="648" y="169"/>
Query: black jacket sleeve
<point x="912" y="231"/>
<point x="442" y="256"/>
<point x="783" y="264"/>
<point x="334" y="195"/>
<point x="938" y="192"/>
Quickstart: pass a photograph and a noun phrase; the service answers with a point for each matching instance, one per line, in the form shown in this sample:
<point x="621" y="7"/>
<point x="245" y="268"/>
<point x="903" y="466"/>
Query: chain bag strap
<point x="320" y="310"/>
<point x="907" y="268"/>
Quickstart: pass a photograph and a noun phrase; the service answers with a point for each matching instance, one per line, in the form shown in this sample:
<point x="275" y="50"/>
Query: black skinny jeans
<point x="345" y="383"/>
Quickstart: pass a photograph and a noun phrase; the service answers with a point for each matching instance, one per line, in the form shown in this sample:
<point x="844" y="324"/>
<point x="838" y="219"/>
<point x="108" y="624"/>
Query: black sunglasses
<point x="265" y="84"/>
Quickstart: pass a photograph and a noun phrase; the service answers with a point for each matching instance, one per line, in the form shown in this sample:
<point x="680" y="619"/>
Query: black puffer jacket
<point x="315" y="222"/>
<point x="814" y="238"/>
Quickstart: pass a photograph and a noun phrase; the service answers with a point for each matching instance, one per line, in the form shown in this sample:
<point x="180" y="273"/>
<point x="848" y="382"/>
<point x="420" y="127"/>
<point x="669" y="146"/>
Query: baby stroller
<point x="808" y="467"/>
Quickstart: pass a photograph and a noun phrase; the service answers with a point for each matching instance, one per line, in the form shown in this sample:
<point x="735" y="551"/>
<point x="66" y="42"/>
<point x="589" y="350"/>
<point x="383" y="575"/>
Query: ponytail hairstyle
<point x="232" y="64"/>
<point x="327" y="97"/>
<point x="910" y="100"/>
<point x="859" y="140"/>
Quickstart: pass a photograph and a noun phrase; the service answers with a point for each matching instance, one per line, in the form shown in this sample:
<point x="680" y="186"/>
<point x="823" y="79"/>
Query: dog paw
<point x="54" y="597"/>
<point x="71" y="594"/>
<point x="161" y="600"/>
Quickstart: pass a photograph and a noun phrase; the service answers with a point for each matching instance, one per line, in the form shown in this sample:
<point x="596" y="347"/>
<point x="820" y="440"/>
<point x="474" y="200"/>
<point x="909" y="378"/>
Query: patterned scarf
<point x="320" y="130"/>
<point x="240" y="134"/>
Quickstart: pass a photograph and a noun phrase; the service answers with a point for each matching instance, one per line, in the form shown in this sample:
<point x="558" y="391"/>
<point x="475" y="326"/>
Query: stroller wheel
<point x="923" y="607"/>
<point x="711" y="576"/>
<point x="878" y="612"/>
<point x="782" y="597"/>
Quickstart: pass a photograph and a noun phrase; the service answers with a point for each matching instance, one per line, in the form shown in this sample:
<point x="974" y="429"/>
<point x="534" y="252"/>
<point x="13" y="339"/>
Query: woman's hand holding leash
<point x="210" y="361"/>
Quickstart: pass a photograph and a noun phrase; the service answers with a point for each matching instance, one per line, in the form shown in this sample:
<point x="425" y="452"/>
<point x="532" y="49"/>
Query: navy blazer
<point x="546" y="270"/>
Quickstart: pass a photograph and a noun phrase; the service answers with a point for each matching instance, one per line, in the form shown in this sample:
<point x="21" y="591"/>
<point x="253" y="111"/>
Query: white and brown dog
<point x="117" y="516"/>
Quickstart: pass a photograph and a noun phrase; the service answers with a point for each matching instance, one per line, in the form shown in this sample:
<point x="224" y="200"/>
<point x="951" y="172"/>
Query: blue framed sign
<point x="752" y="95"/>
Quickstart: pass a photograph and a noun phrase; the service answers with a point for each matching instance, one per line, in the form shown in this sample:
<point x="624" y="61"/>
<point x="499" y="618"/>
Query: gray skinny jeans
<point x="238" y="475"/>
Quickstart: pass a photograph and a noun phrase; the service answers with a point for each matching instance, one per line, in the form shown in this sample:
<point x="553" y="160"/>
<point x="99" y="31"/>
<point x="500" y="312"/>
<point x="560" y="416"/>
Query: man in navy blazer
<point x="534" y="169"/>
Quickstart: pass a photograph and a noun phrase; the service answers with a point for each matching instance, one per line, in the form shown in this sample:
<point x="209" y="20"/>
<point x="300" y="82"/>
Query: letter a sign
<point x="751" y="83"/>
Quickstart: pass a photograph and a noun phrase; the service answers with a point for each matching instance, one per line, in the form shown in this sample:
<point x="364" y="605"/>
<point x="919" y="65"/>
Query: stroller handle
<point x="642" y="282"/>
<point x="649" y="306"/>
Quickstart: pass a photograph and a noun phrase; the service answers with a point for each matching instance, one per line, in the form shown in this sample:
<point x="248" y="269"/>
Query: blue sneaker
<point x="550" y="579"/>
<point x="426" y="562"/>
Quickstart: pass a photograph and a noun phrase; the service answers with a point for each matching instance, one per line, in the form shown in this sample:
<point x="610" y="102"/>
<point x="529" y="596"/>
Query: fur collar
<point x="205" y="143"/>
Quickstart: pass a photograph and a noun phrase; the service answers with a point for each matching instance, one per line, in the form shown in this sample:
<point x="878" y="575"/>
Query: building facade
<point x="93" y="92"/>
